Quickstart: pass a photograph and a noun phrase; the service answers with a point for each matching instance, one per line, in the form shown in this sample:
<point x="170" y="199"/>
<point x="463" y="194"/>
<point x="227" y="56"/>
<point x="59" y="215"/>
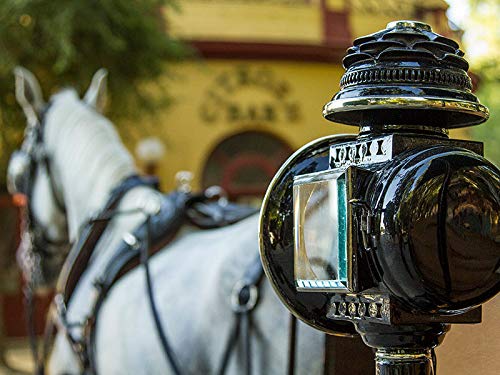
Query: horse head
<point x="32" y="175"/>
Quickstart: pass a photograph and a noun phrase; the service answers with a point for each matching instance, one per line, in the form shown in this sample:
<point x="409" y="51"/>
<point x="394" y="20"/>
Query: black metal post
<point x="404" y="361"/>
<point x="403" y="350"/>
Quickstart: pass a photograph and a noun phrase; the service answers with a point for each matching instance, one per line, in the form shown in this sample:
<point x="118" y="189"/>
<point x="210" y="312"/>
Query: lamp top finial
<point x="402" y="74"/>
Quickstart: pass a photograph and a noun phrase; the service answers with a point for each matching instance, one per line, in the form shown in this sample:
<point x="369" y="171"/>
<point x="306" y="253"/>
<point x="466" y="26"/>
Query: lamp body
<point x="392" y="234"/>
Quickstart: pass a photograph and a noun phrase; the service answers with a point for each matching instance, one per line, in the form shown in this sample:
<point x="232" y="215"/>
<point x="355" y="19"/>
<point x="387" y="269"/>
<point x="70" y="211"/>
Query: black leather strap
<point x="158" y="230"/>
<point x="243" y="300"/>
<point x="205" y="213"/>
<point x="81" y="252"/>
<point x="160" y="328"/>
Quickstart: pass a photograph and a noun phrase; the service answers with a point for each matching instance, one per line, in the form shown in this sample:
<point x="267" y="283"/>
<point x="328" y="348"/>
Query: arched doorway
<point x="244" y="164"/>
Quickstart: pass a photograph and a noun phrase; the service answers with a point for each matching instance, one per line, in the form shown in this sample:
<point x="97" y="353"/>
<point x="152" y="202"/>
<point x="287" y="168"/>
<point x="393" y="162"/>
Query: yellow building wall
<point x="472" y="348"/>
<point x="272" y="21"/>
<point x="290" y="21"/>
<point x="218" y="98"/>
<point x="215" y="99"/>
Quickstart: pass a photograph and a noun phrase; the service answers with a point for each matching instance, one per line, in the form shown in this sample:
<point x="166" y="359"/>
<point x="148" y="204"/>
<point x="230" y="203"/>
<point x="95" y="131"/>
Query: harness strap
<point x="167" y="349"/>
<point x="230" y="344"/>
<point x="135" y="248"/>
<point x="204" y="213"/>
<point x="244" y="298"/>
<point x="77" y="261"/>
<point x="247" y="346"/>
<point x="80" y="254"/>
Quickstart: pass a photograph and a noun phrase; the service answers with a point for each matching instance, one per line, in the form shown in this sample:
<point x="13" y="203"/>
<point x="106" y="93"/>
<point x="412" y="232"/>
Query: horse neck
<point x="87" y="157"/>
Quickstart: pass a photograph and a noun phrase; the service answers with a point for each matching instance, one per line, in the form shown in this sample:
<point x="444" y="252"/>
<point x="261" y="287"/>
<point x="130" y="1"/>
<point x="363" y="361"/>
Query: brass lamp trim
<point x="409" y="24"/>
<point x="405" y="102"/>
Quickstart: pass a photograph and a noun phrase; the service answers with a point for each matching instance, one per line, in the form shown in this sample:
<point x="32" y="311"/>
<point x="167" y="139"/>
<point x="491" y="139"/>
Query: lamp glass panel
<point x="320" y="231"/>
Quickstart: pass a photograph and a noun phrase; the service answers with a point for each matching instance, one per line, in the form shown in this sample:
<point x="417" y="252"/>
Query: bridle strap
<point x="244" y="299"/>
<point x="38" y="156"/>
<point x="80" y="254"/>
<point x="136" y="248"/>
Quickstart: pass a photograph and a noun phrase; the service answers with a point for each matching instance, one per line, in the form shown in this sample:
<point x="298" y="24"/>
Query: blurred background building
<point x="255" y="94"/>
<point x="250" y="93"/>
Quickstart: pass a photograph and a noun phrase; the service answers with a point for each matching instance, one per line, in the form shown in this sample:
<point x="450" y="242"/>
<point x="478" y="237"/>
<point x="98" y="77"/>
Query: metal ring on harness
<point x="216" y="191"/>
<point x="239" y="303"/>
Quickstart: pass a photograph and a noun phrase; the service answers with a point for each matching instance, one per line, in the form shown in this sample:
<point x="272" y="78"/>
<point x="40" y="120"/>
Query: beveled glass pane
<point x="320" y="226"/>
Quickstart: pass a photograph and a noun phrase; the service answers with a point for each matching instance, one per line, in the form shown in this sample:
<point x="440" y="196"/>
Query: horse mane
<point x="86" y="154"/>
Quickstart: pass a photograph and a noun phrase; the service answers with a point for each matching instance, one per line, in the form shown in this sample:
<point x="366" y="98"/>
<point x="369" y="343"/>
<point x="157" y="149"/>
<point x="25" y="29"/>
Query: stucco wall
<point x="473" y="349"/>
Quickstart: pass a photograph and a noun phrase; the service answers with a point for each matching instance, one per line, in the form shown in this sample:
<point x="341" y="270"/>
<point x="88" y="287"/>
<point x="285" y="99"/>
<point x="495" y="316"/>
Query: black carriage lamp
<point x="394" y="231"/>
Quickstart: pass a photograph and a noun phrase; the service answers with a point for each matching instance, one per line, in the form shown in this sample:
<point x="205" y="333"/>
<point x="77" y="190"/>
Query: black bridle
<point x="37" y="245"/>
<point x="23" y="167"/>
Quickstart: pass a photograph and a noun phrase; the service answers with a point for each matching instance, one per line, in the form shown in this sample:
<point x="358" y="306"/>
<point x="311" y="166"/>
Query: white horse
<point x="193" y="276"/>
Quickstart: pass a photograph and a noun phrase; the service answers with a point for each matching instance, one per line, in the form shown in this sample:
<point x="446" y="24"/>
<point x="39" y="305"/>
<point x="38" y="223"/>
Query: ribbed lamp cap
<point x="405" y="75"/>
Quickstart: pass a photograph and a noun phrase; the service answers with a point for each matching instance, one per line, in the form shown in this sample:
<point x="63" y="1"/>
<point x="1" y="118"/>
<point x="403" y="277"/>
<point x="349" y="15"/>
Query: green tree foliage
<point x="489" y="133"/>
<point x="65" y="41"/>
<point x="482" y="44"/>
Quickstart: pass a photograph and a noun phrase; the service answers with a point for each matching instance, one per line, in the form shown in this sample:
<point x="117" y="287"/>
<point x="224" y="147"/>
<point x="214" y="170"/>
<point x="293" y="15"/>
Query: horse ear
<point x="96" y="94"/>
<point x="28" y="94"/>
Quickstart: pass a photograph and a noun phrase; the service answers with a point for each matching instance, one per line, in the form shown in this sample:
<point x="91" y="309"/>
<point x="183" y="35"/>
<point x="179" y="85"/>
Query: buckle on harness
<point x="60" y="306"/>
<point x="77" y="344"/>
<point x="244" y="297"/>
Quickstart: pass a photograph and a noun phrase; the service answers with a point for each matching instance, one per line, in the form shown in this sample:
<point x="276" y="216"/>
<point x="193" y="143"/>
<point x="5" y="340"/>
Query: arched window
<point x="244" y="164"/>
